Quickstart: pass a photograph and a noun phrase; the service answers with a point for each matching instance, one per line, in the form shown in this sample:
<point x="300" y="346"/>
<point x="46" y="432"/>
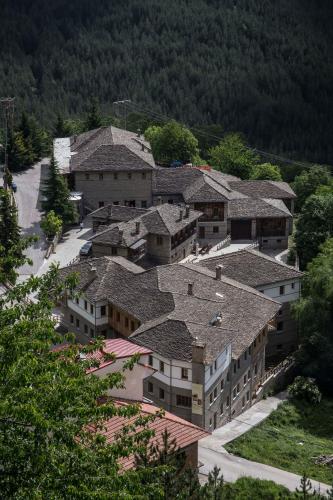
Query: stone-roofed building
<point x="114" y="213"/>
<point x="272" y="278"/>
<point x="108" y="165"/>
<point x="160" y="235"/>
<point x="207" y="332"/>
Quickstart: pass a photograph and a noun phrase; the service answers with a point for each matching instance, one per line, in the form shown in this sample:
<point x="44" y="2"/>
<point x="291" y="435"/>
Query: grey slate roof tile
<point x="263" y="189"/>
<point x="251" y="208"/>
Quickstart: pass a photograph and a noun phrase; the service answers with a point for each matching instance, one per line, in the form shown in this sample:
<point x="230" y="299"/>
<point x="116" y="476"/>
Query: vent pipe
<point x="137" y="227"/>
<point x="218" y="272"/>
<point x="190" y="289"/>
<point x="187" y="211"/>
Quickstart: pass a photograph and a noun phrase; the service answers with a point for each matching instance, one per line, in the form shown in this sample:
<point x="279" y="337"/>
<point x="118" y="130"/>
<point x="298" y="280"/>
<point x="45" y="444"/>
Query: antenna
<point x="123" y="102"/>
<point x="7" y="108"/>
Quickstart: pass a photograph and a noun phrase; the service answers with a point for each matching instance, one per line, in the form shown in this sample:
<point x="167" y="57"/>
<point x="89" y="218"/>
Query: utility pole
<point x="124" y="102"/>
<point x="7" y="108"/>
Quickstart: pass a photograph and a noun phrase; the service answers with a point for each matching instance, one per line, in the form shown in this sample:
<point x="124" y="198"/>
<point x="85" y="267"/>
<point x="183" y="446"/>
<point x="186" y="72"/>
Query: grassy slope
<point x="277" y="440"/>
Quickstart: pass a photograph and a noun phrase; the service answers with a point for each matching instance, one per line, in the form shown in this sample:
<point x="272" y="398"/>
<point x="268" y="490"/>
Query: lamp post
<point x="125" y="102"/>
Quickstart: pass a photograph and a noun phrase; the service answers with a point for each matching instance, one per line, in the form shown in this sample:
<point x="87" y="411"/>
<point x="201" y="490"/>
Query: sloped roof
<point x="251" y="208"/>
<point x="263" y="189"/>
<point x="185" y="433"/>
<point x="117" y="213"/>
<point x="252" y="268"/>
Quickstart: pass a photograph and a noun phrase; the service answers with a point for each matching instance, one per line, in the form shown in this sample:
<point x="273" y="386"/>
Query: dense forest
<point x="260" y="67"/>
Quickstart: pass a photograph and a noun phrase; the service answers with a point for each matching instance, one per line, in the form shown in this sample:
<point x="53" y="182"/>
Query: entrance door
<point x="241" y="229"/>
<point x="201" y="232"/>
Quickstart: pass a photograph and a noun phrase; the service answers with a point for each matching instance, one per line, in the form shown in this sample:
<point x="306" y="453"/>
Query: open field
<point x="290" y="438"/>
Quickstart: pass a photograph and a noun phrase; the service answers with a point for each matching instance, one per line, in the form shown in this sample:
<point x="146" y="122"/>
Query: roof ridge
<point x="271" y="259"/>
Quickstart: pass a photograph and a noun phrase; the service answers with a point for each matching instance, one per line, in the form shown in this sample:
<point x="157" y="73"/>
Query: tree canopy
<point x="232" y="156"/>
<point x="307" y="183"/>
<point x="172" y="142"/>
<point x="314" y="313"/>
<point x="266" y="171"/>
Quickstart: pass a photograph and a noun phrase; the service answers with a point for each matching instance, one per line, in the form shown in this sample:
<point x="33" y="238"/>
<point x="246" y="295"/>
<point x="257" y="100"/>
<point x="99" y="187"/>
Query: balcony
<point x="184" y="235"/>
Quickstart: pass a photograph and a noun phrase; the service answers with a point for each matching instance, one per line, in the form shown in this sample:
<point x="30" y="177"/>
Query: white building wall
<point x="291" y="293"/>
<point x="222" y="362"/>
<point x="172" y="372"/>
<point x="95" y="316"/>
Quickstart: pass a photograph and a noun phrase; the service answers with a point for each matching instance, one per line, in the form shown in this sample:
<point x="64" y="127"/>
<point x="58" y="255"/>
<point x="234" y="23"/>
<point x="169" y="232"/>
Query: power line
<point x="164" y="118"/>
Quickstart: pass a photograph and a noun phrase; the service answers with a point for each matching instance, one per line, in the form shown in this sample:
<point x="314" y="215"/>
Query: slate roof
<point x="252" y="268"/>
<point x="160" y="220"/>
<point x="110" y="149"/>
<point x="117" y="213"/>
<point x="185" y="433"/>
<point x="263" y="189"/>
<point x="251" y="208"/>
<point x="170" y="318"/>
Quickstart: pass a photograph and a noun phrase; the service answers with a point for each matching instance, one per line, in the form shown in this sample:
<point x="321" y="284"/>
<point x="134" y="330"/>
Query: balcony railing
<point x="178" y="240"/>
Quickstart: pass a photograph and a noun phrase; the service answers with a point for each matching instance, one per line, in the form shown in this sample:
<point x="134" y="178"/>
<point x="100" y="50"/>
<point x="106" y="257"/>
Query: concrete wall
<point x="101" y="249"/>
<point x="110" y="189"/>
<point x="160" y="253"/>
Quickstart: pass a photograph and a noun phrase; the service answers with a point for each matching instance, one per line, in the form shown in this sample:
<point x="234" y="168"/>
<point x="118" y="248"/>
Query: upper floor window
<point x="101" y="177"/>
<point x="215" y="364"/>
<point x="282" y="290"/>
<point x="183" y="401"/>
<point x="293" y="285"/>
<point x="159" y="240"/>
<point x="162" y="393"/>
<point x="100" y="204"/>
<point x="143" y="175"/>
<point x="115" y="176"/>
<point x="103" y="310"/>
<point x="150" y="388"/>
<point x="279" y="326"/>
<point x="211" y="370"/>
<point x="85" y="305"/>
<point x="87" y="176"/>
<point x="150" y="360"/>
<point x="143" y="204"/>
<point x="185" y="373"/>
<point x="238" y="363"/>
<point x="91" y="309"/>
<point x="114" y="251"/>
<point x="162" y="366"/>
<point x="129" y="175"/>
<point x="222" y="385"/>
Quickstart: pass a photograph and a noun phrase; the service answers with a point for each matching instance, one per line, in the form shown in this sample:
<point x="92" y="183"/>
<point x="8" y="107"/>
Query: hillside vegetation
<point x="260" y="67"/>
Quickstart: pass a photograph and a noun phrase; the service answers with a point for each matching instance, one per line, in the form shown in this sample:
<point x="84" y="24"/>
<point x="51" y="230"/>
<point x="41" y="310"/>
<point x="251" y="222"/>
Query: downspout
<point x="170" y="401"/>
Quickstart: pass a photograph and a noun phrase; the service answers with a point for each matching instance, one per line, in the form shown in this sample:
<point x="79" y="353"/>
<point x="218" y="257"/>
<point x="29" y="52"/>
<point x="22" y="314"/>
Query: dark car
<point x="86" y="249"/>
<point x="14" y="187"/>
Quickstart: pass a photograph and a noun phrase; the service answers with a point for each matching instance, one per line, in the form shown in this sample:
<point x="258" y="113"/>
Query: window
<point x="100" y="204"/>
<point x="234" y="393"/>
<point x="87" y="177"/>
<point x="261" y="291"/>
<point x="211" y="398"/>
<point x="279" y="326"/>
<point x="215" y="365"/>
<point x="250" y="351"/>
<point x="255" y="369"/>
<point x="222" y="385"/>
<point x="150" y="388"/>
<point x="85" y="305"/>
<point x="77" y="323"/>
<point x="91" y="332"/>
<point x="293" y="286"/>
<point x="245" y="355"/>
<point x="255" y="343"/>
<point x="282" y="290"/>
<point x="111" y="311"/>
<point x="183" y="401"/>
<point x="185" y="373"/>
<point x="116" y="202"/>
<point x="221" y="409"/>
<point x="215" y="229"/>
<point x="132" y="326"/>
<point x="143" y="204"/>
<point x="238" y="388"/>
<point x="170" y="202"/>
<point x="143" y="175"/>
<point x="118" y="316"/>
<point x="126" y="322"/>
<point x="77" y="300"/>
<point x="228" y="377"/>
<point x="228" y="402"/>
<point x="115" y="176"/>
<point x="100" y="177"/>
<point x="91" y="309"/>
<point x="159" y="240"/>
<point x="85" y="328"/>
<point x="103" y="310"/>
<point x="243" y="402"/>
<point x="280" y="312"/>
<point x="72" y="318"/>
<point x="259" y="338"/>
<point x="248" y="396"/>
<point x="211" y="370"/>
<point x="210" y="422"/>
<point x="215" y="393"/>
<point x="244" y="378"/>
<point x="114" y="251"/>
<point x="162" y="366"/>
<point x="235" y="367"/>
<point x="238" y="363"/>
<point x="129" y="175"/>
<point x="249" y="375"/>
<point x="150" y="360"/>
<point x="161" y="393"/>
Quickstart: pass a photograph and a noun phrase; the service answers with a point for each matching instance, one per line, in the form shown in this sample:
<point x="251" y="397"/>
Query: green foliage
<point x="50" y="418"/>
<point x="314" y="313"/>
<point x="308" y="182"/>
<point x="305" y="490"/>
<point x="62" y="128"/>
<point x="266" y="171"/>
<point x="51" y="224"/>
<point x="314" y="226"/>
<point x="305" y="389"/>
<point x="233" y="156"/>
<point x="247" y="488"/>
<point x="57" y="194"/>
<point x="290" y="438"/>
<point x="94" y="118"/>
<point x="172" y="142"/>
<point x="242" y="65"/>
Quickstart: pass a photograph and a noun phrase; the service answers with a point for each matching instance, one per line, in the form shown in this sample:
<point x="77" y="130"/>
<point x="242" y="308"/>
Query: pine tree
<point x="94" y="118"/>
<point x="305" y="490"/>
<point x="61" y="128"/>
<point x="56" y="194"/>
<point x="214" y="488"/>
<point x="18" y="153"/>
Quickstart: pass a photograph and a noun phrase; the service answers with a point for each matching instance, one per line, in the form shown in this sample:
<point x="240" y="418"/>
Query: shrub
<point x="305" y="389"/>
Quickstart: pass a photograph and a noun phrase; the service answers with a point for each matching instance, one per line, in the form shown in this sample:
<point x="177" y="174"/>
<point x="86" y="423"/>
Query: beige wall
<point x="118" y="321"/>
<point x="109" y="189"/>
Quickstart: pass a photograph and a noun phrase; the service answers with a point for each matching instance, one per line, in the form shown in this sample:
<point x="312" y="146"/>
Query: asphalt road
<point x="28" y="199"/>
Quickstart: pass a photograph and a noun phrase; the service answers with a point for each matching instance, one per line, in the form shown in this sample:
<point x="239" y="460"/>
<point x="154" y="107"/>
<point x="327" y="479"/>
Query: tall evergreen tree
<point x="94" y="118"/>
<point x="56" y="194"/>
<point x="61" y="128"/>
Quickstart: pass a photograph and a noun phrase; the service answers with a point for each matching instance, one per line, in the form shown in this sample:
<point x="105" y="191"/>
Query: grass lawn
<point x="277" y="440"/>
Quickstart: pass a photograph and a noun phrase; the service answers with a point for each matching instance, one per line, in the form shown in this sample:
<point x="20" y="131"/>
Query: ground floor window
<point x="183" y="401"/>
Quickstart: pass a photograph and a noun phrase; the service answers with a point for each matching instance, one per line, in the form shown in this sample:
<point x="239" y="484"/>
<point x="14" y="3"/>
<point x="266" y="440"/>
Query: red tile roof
<point x="120" y="348"/>
<point x="184" y="432"/>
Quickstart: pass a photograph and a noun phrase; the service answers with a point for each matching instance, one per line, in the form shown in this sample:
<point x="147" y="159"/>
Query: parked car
<point x="14" y="187"/>
<point x="86" y="249"/>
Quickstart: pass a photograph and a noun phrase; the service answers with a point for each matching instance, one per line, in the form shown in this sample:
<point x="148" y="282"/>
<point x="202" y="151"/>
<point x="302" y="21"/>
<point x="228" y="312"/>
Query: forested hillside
<point x="261" y="67"/>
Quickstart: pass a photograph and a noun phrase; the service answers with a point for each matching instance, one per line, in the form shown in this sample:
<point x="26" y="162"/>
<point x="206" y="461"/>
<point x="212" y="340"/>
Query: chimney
<point x="190" y="289"/>
<point x="74" y="138"/>
<point x="92" y="273"/>
<point x="137" y="227"/>
<point x="109" y="210"/>
<point x="142" y="146"/>
<point x="218" y="321"/>
<point x="159" y="200"/>
<point x="121" y="233"/>
<point x="198" y="351"/>
<point x="181" y="214"/>
<point x="138" y="133"/>
<point x="218" y="271"/>
<point x="187" y="211"/>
